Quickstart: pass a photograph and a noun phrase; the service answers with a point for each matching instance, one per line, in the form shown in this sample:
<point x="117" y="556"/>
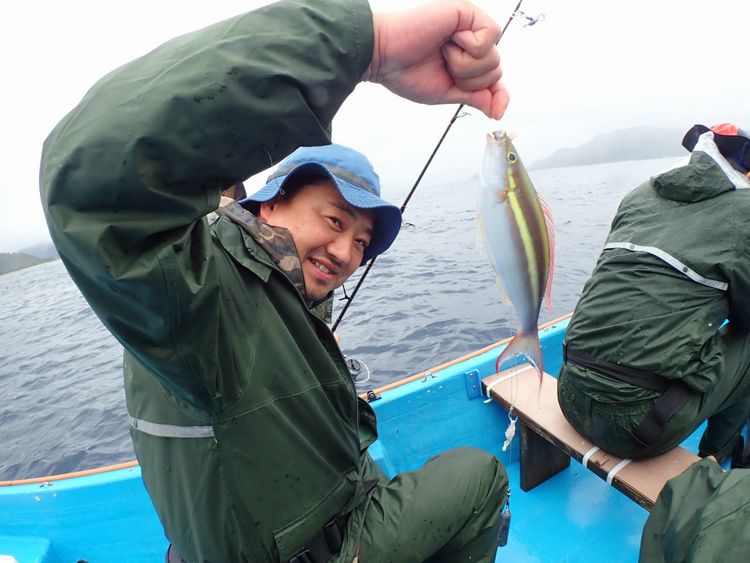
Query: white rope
<point x="587" y="456"/>
<point x="616" y="469"/>
<point x="504" y="378"/>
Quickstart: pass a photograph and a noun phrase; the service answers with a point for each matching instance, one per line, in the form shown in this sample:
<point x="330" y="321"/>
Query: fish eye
<point x="511" y="157"/>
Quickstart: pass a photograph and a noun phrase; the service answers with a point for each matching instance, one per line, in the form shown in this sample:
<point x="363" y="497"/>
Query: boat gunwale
<point x="470" y="355"/>
<point x="71" y="475"/>
<point x="379" y="390"/>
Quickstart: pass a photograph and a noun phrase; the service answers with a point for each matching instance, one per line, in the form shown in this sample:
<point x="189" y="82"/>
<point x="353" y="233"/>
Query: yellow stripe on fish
<point x="524" y="231"/>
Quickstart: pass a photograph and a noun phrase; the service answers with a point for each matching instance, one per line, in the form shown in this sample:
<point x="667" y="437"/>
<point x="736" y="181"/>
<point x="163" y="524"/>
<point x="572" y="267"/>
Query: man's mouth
<point x="322" y="267"/>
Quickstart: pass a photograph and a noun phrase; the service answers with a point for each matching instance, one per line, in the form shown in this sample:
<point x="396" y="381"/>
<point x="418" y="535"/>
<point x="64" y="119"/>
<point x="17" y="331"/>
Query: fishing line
<point x="517" y="13"/>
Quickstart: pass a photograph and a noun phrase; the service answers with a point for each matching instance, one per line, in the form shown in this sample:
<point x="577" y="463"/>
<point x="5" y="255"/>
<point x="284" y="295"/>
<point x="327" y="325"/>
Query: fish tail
<point x="524" y="344"/>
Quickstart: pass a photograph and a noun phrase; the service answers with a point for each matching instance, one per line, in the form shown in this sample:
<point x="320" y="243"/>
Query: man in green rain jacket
<point x="251" y="438"/>
<point x="647" y="360"/>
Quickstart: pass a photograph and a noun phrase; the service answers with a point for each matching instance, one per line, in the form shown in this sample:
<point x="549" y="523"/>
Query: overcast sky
<point x="588" y="68"/>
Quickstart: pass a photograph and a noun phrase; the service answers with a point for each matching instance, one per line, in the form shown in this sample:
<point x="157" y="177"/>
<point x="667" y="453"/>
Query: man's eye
<point x="363" y="243"/>
<point x="336" y="221"/>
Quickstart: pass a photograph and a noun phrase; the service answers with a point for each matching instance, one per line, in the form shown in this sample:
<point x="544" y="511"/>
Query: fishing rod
<point x="517" y="13"/>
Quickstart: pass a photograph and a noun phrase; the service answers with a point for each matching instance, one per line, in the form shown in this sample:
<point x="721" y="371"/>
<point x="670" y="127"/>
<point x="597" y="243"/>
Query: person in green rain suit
<point x="701" y="516"/>
<point x="646" y="357"/>
<point x="251" y="437"/>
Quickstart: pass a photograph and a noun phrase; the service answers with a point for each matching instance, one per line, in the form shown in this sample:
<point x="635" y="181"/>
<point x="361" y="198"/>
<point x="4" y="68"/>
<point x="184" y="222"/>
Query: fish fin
<point x="524" y="344"/>
<point x="549" y="222"/>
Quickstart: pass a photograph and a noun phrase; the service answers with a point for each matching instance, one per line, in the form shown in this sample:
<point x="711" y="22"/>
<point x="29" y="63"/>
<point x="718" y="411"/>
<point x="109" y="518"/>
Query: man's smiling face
<point x="329" y="233"/>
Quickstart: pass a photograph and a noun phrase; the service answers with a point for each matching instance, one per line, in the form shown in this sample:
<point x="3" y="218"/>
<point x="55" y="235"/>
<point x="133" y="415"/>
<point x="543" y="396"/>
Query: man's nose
<point x="340" y="248"/>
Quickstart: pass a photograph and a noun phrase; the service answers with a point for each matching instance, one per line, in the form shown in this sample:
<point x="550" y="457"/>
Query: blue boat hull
<point x="575" y="516"/>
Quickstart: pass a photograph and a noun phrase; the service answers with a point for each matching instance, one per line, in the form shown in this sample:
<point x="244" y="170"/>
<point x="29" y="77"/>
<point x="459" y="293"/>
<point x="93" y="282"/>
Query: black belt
<point x="674" y="393"/>
<point x="327" y="542"/>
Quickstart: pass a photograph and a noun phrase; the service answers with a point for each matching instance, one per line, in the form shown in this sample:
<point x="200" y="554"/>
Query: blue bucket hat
<point x="355" y="179"/>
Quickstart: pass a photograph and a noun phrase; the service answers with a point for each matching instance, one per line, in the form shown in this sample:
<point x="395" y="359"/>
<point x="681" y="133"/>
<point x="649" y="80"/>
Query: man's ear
<point x="266" y="208"/>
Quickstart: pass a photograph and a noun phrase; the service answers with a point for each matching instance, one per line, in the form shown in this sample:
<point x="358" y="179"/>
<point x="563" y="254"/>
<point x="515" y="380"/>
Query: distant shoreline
<point x="633" y="143"/>
<point x="14" y="261"/>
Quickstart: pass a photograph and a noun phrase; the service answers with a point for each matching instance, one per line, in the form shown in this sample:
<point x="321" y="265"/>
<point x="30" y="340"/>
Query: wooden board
<point x="538" y="409"/>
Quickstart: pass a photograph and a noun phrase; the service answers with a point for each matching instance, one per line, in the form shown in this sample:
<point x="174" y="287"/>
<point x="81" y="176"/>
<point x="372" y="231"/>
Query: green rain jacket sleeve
<point x="128" y="176"/>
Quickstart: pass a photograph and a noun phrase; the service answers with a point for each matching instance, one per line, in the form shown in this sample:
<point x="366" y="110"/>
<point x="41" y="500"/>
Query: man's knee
<point x="483" y="462"/>
<point x="478" y="468"/>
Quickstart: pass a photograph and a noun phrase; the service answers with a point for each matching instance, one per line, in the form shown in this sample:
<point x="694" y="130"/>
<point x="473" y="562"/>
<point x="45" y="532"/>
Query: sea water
<point x="429" y="299"/>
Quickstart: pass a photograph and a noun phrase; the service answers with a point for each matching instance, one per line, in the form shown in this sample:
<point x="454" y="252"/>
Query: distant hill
<point x="42" y="250"/>
<point x="12" y="261"/>
<point x="634" y="143"/>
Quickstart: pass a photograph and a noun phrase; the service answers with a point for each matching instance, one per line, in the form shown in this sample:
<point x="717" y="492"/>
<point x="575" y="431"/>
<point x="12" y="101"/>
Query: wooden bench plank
<point x="539" y="412"/>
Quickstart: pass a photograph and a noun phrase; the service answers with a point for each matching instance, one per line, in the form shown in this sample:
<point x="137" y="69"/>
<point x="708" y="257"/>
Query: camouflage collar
<point x="280" y="247"/>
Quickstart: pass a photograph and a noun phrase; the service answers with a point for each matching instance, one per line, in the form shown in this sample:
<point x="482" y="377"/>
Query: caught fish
<point x="517" y="231"/>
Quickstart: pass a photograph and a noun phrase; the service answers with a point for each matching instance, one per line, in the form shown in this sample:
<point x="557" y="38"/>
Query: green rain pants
<point x="610" y="424"/>
<point x="448" y="510"/>
<point x="701" y="516"/>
